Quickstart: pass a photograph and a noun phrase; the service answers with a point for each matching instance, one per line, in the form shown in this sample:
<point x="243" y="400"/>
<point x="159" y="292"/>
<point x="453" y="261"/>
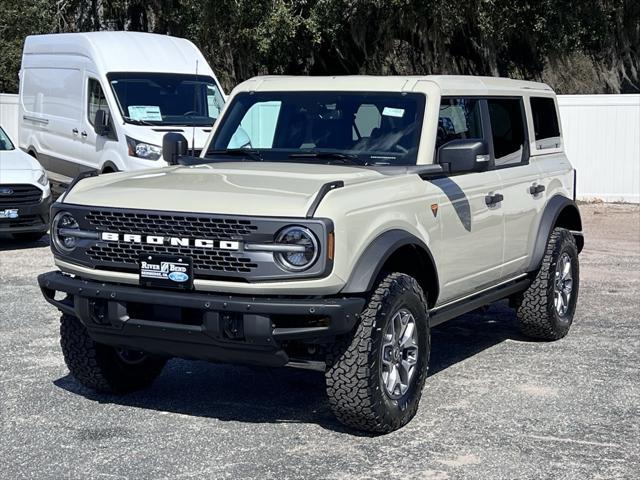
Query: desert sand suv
<point x="329" y="223"/>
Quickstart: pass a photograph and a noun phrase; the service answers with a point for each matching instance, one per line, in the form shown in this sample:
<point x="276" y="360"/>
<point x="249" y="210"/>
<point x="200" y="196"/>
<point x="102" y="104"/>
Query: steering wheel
<point x="190" y="112"/>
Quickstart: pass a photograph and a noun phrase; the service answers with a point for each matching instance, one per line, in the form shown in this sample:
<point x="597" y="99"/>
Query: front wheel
<point x="102" y="367"/>
<point x="376" y="374"/>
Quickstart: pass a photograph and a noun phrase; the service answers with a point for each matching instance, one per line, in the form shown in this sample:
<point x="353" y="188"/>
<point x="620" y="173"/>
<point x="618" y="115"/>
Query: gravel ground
<point x="495" y="406"/>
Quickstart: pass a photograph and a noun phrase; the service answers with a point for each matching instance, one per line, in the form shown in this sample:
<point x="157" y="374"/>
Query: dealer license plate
<point x="164" y="271"/>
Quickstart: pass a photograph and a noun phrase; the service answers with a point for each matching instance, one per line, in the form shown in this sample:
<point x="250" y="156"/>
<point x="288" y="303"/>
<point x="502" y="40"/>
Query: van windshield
<point x="166" y="98"/>
<point x="362" y="128"/>
<point x="5" y="141"/>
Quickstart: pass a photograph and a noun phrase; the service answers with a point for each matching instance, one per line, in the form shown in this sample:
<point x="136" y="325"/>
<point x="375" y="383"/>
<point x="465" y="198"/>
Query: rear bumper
<point x="31" y="218"/>
<point x="234" y="329"/>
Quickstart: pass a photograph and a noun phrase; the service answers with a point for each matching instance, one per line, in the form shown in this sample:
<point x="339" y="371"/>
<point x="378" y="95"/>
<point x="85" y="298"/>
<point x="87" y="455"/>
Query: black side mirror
<point x="101" y="123"/>
<point x="466" y="155"/>
<point x="174" y="145"/>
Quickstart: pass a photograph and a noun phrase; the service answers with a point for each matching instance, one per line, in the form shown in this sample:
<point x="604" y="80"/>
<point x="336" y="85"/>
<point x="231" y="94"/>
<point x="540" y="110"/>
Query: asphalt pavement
<point x="496" y="405"/>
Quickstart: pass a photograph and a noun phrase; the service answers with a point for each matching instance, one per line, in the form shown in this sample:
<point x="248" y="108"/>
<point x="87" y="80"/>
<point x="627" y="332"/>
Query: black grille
<point x="171" y="225"/>
<point x="204" y="261"/>
<point x="20" y="195"/>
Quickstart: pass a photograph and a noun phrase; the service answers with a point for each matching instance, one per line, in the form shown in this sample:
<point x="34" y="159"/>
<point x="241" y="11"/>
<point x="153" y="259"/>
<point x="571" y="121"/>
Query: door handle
<point x="493" y="199"/>
<point x="74" y="131"/>
<point x="536" y="189"/>
<point x="84" y="134"/>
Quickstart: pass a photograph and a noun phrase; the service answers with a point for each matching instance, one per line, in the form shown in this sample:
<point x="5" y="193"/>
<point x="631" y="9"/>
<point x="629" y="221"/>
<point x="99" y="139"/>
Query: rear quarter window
<point x="545" y="122"/>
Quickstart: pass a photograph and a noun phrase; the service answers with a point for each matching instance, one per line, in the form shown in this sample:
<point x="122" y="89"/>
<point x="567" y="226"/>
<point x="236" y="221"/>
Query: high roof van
<point x="102" y="101"/>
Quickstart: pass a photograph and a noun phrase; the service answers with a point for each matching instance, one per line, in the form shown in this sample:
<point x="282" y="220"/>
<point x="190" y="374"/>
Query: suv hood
<point x="238" y="188"/>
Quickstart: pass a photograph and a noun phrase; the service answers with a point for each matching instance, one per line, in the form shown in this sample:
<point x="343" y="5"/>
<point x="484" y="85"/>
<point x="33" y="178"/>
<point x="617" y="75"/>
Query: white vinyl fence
<point x="9" y="115"/>
<point x="601" y="134"/>
<point x="602" y="140"/>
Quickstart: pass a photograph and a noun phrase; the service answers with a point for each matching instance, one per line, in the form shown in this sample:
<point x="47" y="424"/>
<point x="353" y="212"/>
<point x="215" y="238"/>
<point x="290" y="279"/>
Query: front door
<point x="471" y="247"/>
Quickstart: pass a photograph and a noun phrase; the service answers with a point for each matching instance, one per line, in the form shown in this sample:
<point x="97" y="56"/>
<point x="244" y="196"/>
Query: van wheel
<point x="545" y="310"/>
<point x="375" y="375"/>
<point x="104" y="368"/>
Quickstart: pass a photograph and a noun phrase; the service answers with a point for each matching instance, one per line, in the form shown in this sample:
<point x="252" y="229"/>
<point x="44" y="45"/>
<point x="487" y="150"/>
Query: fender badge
<point x="434" y="209"/>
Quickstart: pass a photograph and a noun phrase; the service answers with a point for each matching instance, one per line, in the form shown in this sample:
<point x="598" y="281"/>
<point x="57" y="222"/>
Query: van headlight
<point x="62" y="226"/>
<point x="143" y="150"/>
<point x="42" y="178"/>
<point x="299" y="259"/>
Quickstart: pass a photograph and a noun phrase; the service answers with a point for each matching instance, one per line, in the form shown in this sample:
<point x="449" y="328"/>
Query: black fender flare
<point x="552" y="211"/>
<point x="109" y="164"/>
<point x="370" y="263"/>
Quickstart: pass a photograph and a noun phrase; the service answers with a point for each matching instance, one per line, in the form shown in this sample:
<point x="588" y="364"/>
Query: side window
<point x="214" y="101"/>
<point x="97" y="100"/>
<point x="507" y="126"/>
<point x="545" y="122"/>
<point x="459" y="118"/>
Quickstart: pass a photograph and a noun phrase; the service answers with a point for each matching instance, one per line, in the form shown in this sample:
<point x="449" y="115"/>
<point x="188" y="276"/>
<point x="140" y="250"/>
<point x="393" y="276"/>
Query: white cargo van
<point x="102" y="101"/>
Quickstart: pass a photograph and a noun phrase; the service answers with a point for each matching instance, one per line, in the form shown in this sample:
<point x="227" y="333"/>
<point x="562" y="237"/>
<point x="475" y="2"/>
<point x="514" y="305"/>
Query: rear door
<point x="519" y="178"/>
<point x="471" y="250"/>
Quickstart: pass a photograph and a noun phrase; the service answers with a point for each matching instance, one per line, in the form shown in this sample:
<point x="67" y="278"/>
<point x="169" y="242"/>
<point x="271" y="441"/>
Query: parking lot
<point x="496" y="405"/>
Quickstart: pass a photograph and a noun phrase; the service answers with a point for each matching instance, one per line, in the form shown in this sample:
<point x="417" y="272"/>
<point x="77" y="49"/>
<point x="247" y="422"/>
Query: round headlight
<point x="62" y="223"/>
<point x="299" y="259"/>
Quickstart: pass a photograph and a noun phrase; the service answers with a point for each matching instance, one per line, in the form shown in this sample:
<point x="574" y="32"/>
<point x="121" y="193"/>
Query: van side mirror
<point x="465" y="155"/>
<point x="101" y="123"/>
<point x="174" y="145"/>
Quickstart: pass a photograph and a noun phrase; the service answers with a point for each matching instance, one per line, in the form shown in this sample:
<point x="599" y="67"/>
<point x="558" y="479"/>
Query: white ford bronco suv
<point x="329" y="223"/>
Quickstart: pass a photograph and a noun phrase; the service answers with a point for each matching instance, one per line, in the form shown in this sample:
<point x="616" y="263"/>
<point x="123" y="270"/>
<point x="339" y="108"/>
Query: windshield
<point x="166" y="98"/>
<point x="363" y="128"/>
<point x="5" y="141"/>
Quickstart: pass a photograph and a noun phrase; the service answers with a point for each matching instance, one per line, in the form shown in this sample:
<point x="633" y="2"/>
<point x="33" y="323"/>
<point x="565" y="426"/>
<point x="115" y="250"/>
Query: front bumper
<point x="223" y="328"/>
<point x="31" y="218"/>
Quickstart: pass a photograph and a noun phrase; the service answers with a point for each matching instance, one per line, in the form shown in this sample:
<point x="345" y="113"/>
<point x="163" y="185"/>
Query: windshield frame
<point x="299" y="155"/>
<point x="8" y="139"/>
<point x="204" y="78"/>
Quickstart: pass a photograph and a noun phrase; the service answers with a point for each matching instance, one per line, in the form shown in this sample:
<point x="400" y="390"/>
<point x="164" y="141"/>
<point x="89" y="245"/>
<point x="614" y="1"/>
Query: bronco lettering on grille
<point x="173" y="241"/>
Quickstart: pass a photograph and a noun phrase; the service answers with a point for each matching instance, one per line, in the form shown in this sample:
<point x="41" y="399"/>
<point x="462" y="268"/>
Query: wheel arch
<point x="109" y="167"/>
<point x="559" y="212"/>
<point x="395" y="251"/>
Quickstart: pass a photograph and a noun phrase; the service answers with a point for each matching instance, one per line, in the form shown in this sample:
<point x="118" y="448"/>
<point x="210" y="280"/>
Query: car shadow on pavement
<point x="8" y="243"/>
<point x="287" y="395"/>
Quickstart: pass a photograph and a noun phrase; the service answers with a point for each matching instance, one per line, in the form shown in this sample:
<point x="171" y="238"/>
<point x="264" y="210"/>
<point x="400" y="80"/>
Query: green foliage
<point x="587" y="46"/>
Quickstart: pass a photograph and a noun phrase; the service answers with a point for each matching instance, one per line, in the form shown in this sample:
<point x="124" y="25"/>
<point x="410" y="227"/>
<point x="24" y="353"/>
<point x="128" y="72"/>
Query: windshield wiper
<point x="239" y="152"/>
<point x="335" y="156"/>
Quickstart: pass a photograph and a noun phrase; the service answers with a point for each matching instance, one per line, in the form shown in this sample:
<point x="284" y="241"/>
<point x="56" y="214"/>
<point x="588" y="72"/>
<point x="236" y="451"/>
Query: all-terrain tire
<point x="535" y="307"/>
<point x="100" y="367"/>
<point x="356" y="393"/>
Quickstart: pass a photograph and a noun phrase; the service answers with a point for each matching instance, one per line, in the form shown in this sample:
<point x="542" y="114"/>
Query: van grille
<point x="20" y="195"/>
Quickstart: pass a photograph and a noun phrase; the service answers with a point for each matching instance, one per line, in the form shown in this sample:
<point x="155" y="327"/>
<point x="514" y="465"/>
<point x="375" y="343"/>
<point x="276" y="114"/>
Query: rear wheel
<point x="545" y="310"/>
<point x="375" y="375"/>
<point x="104" y="368"/>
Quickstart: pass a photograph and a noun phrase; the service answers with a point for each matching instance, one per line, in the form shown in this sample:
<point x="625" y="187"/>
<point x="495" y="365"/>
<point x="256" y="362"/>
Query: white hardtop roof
<point x="448" y="84"/>
<point x="123" y="51"/>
